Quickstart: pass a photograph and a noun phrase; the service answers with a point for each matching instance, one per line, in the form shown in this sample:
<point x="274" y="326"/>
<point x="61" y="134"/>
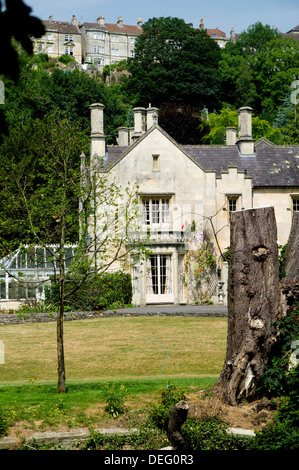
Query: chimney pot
<point x="120" y="22"/>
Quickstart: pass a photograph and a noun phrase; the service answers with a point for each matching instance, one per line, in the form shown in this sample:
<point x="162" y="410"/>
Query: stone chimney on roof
<point x="97" y="147"/>
<point x="74" y="20"/>
<point x="51" y="18"/>
<point x="201" y="26"/>
<point x="120" y="22"/>
<point x="231" y="135"/>
<point x="151" y="117"/>
<point x="245" y="141"/>
<point x="139" y="23"/>
<point x="232" y="35"/>
<point x="139" y="123"/>
<point x="101" y="20"/>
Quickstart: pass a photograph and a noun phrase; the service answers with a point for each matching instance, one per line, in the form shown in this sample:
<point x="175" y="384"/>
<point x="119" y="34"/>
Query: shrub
<point x="210" y="433"/>
<point x="3" y="423"/>
<point x="100" y="292"/>
<point x="159" y="413"/>
<point x="115" y="399"/>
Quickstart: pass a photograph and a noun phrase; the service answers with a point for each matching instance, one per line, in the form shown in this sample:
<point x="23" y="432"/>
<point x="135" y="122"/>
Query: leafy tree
<point x="17" y="27"/>
<point x="43" y="186"/>
<point x="174" y="63"/>
<point x="259" y="69"/>
<point x="42" y="87"/>
<point x="227" y="117"/>
<point x="16" y="23"/>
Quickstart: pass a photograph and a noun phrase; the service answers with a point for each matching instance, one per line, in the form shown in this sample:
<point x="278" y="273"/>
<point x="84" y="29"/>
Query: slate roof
<point x="271" y="166"/>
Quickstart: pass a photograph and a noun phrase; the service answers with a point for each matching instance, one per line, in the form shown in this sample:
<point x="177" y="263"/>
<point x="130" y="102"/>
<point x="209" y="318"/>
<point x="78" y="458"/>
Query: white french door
<point x="159" y="284"/>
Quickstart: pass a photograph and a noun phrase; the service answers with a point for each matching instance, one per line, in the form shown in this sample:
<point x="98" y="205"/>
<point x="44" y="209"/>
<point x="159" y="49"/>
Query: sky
<point x="215" y="14"/>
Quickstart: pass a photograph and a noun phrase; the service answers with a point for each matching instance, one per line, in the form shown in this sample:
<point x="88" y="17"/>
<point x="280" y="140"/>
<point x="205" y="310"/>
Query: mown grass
<point x="115" y="348"/>
<point x="143" y="354"/>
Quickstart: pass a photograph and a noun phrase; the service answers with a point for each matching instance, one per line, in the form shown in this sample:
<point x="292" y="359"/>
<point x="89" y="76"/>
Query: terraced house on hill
<point x="186" y="191"/>
<point x="106" y="43"/>
<point x="60" y="38"/>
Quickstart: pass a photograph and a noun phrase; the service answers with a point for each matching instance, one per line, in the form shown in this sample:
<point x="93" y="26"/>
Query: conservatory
<point x="24" y="273"/>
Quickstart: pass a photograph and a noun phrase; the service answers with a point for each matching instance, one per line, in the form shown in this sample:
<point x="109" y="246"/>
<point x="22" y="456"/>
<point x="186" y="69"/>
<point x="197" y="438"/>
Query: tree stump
<point x="289" y="285"/>
<point x="178" y="415"/>
<point x="253" y="302"/>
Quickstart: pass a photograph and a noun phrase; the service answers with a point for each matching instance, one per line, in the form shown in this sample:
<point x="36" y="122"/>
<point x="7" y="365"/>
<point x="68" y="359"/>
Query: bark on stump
<point x="178" y="415"/>
<point x="253" y="302"/>
<point x="289" y="285"/>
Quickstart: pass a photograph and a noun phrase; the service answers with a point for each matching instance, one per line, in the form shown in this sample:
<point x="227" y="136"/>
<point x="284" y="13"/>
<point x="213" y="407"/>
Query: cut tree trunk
<point x="178" y="415"/>
<point x="253" y="302"/>
<point x="289" y="286"/>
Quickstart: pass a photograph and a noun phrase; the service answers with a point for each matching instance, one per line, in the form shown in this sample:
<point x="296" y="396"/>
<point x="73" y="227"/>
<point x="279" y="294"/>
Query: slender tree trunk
<point x="60" y="347"/>
<point x="253" y="302"/>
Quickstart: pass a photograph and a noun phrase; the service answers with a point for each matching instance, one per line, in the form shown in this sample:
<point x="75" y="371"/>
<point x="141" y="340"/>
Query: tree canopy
<point x="258" y="70"/>
<point x="174" y="63"/>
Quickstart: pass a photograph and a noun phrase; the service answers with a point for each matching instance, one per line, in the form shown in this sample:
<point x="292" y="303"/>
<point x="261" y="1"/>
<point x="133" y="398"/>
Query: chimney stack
<point x="120" y="22"/>
<point x="74" y="20"/>
<point x="123" y="136"/>
<point x="139" y="122"/>
<point x="231" y="135"/>
<point x="151" y="117"/>
<point x="97" y="147"/>
<point x="139" y="23"/>
<point x="245" y="141"/>
<point x="101" y="20"/>
<point x="201" y="26"/>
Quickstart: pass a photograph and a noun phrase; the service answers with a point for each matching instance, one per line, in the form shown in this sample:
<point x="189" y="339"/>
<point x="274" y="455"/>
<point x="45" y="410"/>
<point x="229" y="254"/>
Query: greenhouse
<point x="25" y="272"/>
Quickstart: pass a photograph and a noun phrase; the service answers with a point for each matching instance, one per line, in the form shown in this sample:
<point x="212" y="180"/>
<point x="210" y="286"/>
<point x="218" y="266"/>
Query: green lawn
<point x="115" y="348"/>
<point x="143" y="354"/>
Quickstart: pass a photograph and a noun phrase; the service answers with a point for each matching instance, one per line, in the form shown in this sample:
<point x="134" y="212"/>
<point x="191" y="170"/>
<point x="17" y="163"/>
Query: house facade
<point x="60" y="38"/>
<point x="105" y="43"/>
<point x="187" y="191"/>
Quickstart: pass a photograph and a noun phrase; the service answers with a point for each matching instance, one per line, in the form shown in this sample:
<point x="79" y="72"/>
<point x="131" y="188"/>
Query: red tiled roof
<point x="61" y="27"/>
<point x="217" y="31"/>
<point x="114" y="28"/>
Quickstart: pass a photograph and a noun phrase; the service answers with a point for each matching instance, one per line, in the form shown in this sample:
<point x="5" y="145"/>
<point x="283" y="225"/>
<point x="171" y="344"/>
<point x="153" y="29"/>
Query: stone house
<point x="60" y="38"/>
<point x="187" y="189"/>
<point x="105" y="43"/>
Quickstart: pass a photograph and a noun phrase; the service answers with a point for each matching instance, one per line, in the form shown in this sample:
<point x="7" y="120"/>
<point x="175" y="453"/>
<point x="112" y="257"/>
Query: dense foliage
<point x="174" y="63"/>
<point x="102" y="291"/>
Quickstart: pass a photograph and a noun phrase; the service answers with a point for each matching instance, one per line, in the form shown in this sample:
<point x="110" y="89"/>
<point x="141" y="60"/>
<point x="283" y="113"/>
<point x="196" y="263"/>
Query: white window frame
<point x="156" y="211"/>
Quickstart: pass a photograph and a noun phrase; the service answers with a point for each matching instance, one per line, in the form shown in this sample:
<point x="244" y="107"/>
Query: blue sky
<point x="217" y="13"/>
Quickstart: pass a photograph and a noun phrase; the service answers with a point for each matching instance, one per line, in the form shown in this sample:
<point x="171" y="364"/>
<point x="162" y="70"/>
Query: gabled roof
<point x="217" y="32"/>
<point x="271" y="166"/>
<point x="115" y="154"/>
